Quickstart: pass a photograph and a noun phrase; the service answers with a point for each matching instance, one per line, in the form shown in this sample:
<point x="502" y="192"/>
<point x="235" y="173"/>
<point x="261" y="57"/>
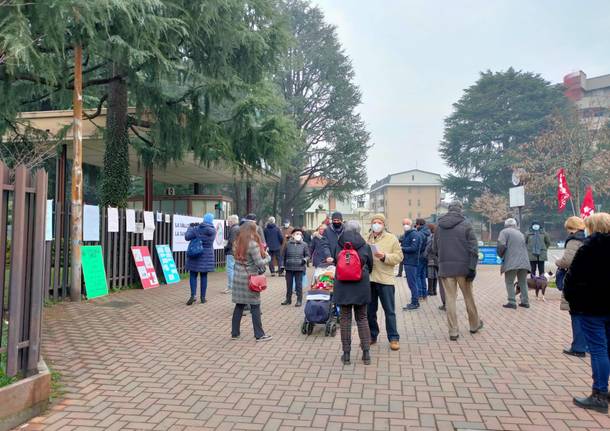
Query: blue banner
<point x="167" y="264"/>
<point x="489" y="256"/>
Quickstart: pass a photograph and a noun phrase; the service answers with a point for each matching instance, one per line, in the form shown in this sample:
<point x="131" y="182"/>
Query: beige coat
<point x="383" y="271"/>
<point x="564" y="262"/>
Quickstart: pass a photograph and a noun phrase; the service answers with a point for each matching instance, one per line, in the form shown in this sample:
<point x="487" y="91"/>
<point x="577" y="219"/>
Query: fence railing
<point x="116" y="250"/>
<point x="22" y="282"/>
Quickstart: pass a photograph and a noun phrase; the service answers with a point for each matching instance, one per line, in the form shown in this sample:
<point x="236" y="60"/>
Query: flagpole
<point x="573" y="209"/>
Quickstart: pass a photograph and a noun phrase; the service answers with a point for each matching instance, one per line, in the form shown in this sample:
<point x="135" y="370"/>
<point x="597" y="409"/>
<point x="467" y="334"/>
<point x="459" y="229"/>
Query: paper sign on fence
<point x="48" y="231"/>
<point x="113" y="219"/>
<point x="91" y="223"/>
<point x="130" y="220"/>
<point x="146" y="269"/>
<point x="94" y="271"/>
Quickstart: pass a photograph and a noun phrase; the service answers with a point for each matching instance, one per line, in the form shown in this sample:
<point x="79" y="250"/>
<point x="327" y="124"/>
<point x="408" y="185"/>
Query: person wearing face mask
<point x="315" y="247"/>
<point x="330" y="238"/>
<point x="410" y="245"/>
<point x="386" y="255"/>
<point x="538" y="242"/>
<point x="286" y="234"/>
<point x="296" y="256"/>
<point x="422" y="267"/>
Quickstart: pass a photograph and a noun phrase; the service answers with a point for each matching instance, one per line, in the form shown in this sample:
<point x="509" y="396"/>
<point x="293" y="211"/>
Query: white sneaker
<point x="226" y="291"/>
<point x="265" y="338"/>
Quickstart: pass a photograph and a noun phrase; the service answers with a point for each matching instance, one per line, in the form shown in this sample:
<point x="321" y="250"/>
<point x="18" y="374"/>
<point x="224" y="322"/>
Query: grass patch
<point x="57" y="388"/>
<point x="4" y="379"/>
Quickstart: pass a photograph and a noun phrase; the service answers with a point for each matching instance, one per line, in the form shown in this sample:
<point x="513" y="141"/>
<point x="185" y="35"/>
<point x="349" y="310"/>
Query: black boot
<point x="597" y="401"/>
<point x="366" y="357"/>
<point x="287" y="301"/>
<point x="345" y="358"/>
<point x="191" y="300"/>
<point x="299" y="302"/>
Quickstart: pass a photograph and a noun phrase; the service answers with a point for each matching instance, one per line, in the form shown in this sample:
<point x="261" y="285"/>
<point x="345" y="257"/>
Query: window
<point x="418" y="203"/>
<point x="412" y="177"/>
<point x="409" y="202"/>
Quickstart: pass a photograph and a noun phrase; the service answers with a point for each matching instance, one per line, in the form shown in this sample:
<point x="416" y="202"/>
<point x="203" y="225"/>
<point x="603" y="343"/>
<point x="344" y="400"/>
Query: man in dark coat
<point x="355" y="294"/>
<point x="422" y="263"/>
<point x="457" y="250"/>
<point x="330" y="239"/>
<point x="275" y="241"/>
<point x="411" y="244"/>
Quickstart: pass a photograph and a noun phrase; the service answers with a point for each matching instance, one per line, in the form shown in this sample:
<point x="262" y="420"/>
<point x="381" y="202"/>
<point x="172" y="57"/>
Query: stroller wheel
<point x="327" y="329"/>
<point x="333" y="330"/>
<point x="304" y="328"/>
<point x="309" y="328"/>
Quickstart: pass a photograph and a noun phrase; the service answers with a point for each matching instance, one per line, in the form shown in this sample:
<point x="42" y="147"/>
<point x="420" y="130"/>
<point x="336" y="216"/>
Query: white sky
<point x="413" y="59"/>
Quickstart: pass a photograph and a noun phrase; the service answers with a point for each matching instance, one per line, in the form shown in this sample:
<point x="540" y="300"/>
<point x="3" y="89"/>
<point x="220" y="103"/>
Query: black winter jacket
<point x="455" y="245"/>
<point x="273" y="237"/>
<point x="330" y="239"/>
<point x="296" y="255"/>
<point x="355" y="292"/>
<point x="587" y="283"/>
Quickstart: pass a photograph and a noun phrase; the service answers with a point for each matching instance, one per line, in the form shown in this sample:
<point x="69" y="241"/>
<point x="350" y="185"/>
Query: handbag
<point x="559" y="278"/>
<point x="195" y="248"/>
<point x="257" y="283"/>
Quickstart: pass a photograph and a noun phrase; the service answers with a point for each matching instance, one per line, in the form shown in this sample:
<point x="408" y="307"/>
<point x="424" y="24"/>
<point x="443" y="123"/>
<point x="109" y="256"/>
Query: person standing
<point x="386" y="255"/>
<point x="274" y="240"/>
<point x="355" y="295"/>
<point x="422" y="264"/>
<point x="411" y="244"/>
<point x="296" y="255"/>
<point x="457" y="251"/>
<point x="587" y="290"/>
<point x="576" y="236"/>
<point x="199" y="265"/>
<point x="250" y="259"/>
<point x="286" y="234"/>
<point x="432" y="263"/>
<point x="330" y="238"/>
<point x="402" y="264"/>
<point x="515" y="263"/>
<point x="315" y="248"/>
<point x="259" y="230"/>
<point x="538" y="242"/>
<point x="233" y="223"/>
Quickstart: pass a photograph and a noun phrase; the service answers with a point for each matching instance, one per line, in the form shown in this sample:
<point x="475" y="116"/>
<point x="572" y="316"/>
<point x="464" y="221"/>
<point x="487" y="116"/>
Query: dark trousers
<point x="193" y="283"/>
<point x="422" y="276"/>
<point x="432" y="286"/>
<point x="274" y="254"/>
<point x="597" y="334"/>
<point x="385" y="294"/>
<point x="361" y="322"/>
<point x="257" y="323"/>
<point x="579" y="342"/>
<point x="537" y="264"/>
<point x="400" y="268"/>
<point x="441" y="289"/>
<point x="295" y="277"/>
<point x="412" y="281"/>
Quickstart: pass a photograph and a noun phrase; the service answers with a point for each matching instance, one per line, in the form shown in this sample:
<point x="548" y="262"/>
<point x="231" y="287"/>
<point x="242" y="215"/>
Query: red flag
<point x="588" y="205"/>
<point x="563" y="191"/>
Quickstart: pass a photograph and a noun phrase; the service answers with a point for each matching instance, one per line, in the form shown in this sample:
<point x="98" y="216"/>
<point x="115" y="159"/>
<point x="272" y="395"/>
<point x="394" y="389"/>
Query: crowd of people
<point x="444" y="255"/>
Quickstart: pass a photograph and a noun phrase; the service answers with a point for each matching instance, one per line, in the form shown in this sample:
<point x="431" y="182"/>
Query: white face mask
<point x="536" y="227"/>
<point x="377" y="227"/>
<point x="298" y="237"/>
<point x="586" y="232"/>
<point x="406" y="227"/>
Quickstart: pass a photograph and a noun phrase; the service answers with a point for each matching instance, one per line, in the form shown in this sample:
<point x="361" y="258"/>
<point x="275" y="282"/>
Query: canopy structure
<point x="187" y="171"/>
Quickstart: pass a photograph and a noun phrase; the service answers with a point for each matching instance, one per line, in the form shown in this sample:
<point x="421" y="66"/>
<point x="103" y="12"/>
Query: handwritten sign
<point x="130" y="220"/>
<point x="113" y="219"/>
<point x="94" y="271"/>
<point x="167" y="263"/>
<point x="181" y="225"/>
<point x="144" y="264"/>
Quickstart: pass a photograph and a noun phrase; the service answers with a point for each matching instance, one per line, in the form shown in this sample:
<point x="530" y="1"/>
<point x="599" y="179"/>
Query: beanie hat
<point x="336" y="216"/>
<point x="208" y="218"/>
<point x="251" y="217"/>
<point x="378" y="217"/>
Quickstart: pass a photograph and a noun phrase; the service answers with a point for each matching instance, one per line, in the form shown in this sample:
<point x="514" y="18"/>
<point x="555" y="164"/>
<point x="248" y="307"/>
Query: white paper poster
<point x="160" y="217"/>
<point x="149" y="225"/>
<point x="180" y="226"/>
<point x="130" y="220"/>
<point x="219" y="241"/>
<point x="139" y="228"/>
<point x="168" y="218"/>
<point x="48" y="231"/>
<point x="91" y="223"/>
<point x="113" y="219"/>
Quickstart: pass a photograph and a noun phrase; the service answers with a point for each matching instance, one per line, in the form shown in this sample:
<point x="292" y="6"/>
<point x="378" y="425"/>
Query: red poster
<point x="144" y="264"/>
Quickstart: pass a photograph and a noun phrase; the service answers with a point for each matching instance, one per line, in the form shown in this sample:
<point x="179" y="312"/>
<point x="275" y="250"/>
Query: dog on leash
<point x="538" y="283"/>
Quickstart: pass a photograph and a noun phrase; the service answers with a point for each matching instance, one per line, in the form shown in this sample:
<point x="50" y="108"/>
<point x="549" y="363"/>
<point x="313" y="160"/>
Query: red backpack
<point x="349" y="267"/>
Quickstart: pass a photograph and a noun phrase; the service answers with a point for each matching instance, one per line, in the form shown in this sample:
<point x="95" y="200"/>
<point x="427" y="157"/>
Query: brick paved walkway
<point x="153" y="363"/>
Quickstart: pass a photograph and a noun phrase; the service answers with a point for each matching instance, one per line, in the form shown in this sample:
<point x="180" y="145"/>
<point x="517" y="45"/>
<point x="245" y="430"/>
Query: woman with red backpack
<point x="352" y="289"/>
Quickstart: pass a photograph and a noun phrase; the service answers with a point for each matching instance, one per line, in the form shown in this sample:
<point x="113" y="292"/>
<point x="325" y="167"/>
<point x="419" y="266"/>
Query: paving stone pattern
<point x="151" y="363"/>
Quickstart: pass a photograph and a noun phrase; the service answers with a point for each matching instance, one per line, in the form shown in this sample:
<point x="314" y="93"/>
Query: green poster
<point x="93" y="269"/>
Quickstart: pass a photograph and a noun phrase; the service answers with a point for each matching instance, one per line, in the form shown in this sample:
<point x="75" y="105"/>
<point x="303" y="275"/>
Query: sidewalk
<point x="142" y="360"/>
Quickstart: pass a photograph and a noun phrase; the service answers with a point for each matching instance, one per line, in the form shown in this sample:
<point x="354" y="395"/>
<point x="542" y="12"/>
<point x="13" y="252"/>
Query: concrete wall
<point x="412" y="202"/>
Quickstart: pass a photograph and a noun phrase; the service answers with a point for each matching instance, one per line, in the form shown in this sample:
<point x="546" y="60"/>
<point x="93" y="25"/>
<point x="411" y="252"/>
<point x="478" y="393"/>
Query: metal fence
<point x="116" y="249"/>
<point x="22" y="249"/>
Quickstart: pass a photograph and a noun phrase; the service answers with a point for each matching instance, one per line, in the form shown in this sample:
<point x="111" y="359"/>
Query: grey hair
<point x="272" y="220"/>
<point x="510" y="222"/>
<point x="456" y="206"/>
<point x="234" y="219"/>
<point x="352" y="226"/>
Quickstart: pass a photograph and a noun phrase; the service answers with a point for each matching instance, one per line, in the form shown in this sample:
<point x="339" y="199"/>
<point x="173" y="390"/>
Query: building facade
<point x="591" y="96"/>
<point x="413" y="194"/>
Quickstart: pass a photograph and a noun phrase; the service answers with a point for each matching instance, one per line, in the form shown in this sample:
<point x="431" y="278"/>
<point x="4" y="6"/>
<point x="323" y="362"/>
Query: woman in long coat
<point x="250" y="259"/>
<point x="200" y="266"/>
<point x="355" y="295"/>
<point x="315" y="247"/>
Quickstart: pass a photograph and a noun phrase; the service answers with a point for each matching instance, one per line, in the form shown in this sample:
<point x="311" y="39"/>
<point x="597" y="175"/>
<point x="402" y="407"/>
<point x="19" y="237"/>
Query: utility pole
<point x="77" y="175"/>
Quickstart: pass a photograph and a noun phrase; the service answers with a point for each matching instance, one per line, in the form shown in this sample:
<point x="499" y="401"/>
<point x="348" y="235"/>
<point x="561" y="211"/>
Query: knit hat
<point x="378" y="217"/>
<point x="336" y="216"/>
<point x="208" y="218"/>
<point x="251" y="217"/>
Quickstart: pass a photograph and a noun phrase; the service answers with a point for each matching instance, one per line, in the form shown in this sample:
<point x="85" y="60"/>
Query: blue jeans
<point x="597" y="333"/>
<point x="579" y="342"/>
<point x="204" y="283"/>
<point x="412" y="272"/>
<point x="230" y="271"/>
<point x="385" y="294"/>
<point x="422" y="276"/>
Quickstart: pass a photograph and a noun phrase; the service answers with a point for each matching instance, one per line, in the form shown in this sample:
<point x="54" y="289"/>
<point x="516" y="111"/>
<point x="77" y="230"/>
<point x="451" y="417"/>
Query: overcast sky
<point x="413" y="59"/>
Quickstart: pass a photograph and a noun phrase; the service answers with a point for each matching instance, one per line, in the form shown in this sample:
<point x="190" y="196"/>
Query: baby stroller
<point x="320" y="309"/>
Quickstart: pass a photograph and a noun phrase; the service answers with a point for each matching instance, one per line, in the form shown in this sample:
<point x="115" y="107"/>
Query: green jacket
<point x="545" y="243"/>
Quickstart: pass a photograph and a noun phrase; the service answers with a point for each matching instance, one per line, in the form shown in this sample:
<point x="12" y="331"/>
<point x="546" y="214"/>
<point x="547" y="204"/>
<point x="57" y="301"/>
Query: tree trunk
<point x="116" y="179"/>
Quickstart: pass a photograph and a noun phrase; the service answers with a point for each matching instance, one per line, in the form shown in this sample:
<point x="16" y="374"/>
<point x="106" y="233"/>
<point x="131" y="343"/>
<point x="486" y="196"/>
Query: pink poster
<point x="144" y="264"/>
